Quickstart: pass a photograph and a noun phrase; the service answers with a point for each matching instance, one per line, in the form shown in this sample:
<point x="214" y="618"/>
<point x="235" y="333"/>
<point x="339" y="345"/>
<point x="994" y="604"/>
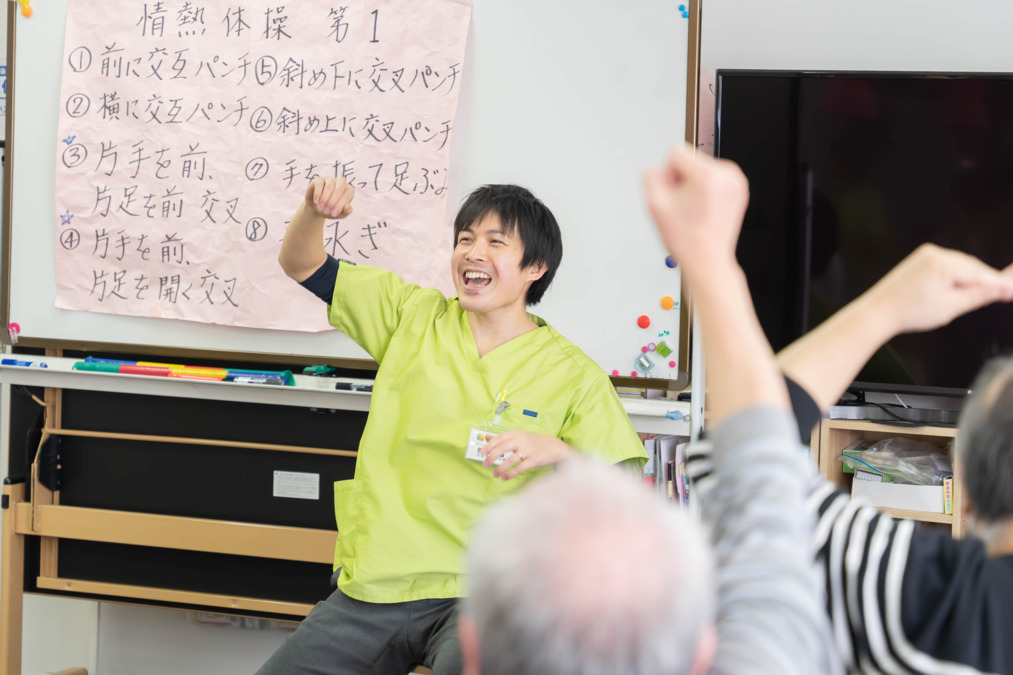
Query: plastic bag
<point x="901" y="460"/>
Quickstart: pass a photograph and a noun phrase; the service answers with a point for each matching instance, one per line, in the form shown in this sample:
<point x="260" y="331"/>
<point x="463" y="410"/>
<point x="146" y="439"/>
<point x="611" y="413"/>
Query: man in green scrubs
<point x="451" y="372"/>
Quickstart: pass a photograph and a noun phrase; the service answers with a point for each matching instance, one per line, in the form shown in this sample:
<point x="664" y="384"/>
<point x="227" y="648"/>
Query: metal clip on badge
<point x="498" y="416"/>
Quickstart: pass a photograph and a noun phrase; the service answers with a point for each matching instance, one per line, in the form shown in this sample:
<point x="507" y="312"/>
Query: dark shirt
<point x="321" y="283"/>
<point x="807" y="413"/>
<point x="903" y="597"/>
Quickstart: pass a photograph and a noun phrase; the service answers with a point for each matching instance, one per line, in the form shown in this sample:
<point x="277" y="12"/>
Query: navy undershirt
<point x="321" y="283"/>
<point x="807" y="413"/>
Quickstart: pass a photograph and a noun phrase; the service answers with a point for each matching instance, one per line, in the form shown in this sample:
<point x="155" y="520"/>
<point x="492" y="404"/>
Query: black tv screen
<point x="849" y="173"/>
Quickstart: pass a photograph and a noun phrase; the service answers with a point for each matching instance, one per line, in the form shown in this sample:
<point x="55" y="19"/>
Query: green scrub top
<point x="405" y="519"/>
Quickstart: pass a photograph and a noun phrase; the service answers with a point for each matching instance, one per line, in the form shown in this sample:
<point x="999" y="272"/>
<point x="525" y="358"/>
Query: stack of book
<point x="665" y="468"/>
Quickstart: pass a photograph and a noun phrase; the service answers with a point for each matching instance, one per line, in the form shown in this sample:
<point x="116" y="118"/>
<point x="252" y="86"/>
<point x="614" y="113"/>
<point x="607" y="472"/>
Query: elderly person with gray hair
<point x="624" y="582"/>
<point x="586" y="573"/>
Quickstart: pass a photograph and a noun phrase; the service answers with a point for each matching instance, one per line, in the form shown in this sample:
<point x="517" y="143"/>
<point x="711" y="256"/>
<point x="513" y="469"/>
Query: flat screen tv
<point x="850" y="172"/>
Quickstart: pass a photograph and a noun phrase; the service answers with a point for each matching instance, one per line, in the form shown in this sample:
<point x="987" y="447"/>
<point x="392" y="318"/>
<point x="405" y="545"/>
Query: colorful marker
<point x="137" y="369"/>
<point x="198" y="374"/>
<point x="23" y="364"/>
<point x="174" y="366"/>
<point x="215" y="373"/>
<point x="285" y="375"/>
<point x="211" y="374"/>
<point x="246" y="379"/>
<point x="97" y="367"/>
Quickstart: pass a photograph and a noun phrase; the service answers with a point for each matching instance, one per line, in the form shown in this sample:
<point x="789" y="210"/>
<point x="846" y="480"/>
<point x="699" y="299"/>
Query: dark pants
<point x="343" y="636"/>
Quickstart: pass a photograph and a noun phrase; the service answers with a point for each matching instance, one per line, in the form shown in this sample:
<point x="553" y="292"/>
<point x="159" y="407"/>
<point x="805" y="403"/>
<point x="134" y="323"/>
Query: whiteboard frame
<point x="686" y="328"/>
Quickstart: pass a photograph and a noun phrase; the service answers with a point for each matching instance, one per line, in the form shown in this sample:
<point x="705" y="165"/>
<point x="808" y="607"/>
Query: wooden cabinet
<point x="182" y="493"/>
<point x="832" y="436"/>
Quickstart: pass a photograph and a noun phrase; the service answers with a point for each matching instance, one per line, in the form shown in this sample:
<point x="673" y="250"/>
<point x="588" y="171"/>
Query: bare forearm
<point x="302" y="251"/>
<point x="928" y="289"/>
<point x="827" y="359"/>
<point x="741" y="371"/>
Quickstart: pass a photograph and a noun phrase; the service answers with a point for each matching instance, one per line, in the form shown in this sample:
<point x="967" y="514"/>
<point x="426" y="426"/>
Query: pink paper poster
<point x="190" y="131"/>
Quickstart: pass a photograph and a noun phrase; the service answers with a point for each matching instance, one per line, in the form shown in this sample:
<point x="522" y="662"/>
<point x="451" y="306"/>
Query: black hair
<point x="984" y="445"/>
<point x="518" y="210"/>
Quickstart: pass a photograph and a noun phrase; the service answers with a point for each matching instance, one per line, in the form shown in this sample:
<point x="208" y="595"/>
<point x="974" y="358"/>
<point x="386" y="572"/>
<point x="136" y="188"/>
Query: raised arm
<point x="698" y="204"/>
<point x="769" y="617"/>
<point x="748" y="486"/>
<point x="928" y="289"/>
<point x="302" y="251"/>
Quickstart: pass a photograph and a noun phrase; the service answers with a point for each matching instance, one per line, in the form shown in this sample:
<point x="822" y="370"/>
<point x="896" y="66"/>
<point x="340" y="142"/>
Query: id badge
<point x="477" y="440"/>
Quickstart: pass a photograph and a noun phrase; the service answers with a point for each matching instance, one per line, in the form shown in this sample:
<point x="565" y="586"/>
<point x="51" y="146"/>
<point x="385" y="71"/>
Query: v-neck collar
<point x="513" y="344"/>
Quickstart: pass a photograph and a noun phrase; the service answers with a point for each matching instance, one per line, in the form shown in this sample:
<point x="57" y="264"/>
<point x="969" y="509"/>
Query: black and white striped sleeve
<point x="906" y="599"/>
<point x="901" y="598"/>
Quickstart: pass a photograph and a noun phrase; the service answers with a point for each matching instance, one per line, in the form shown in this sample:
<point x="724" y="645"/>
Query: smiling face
<point x="486" y="265"/>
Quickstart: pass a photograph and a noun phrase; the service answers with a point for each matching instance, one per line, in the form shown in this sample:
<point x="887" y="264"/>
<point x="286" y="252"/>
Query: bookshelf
<point x="831" y="437"/>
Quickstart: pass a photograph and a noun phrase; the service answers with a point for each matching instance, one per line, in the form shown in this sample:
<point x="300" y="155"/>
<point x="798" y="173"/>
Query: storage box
<point x="891" y="495"/>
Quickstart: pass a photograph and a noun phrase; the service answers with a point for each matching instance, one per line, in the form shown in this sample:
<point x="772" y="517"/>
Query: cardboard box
<point x="928" y="498"/>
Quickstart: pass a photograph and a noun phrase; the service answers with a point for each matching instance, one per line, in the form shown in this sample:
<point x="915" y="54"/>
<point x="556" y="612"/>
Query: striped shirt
<point x="907" y="599"/>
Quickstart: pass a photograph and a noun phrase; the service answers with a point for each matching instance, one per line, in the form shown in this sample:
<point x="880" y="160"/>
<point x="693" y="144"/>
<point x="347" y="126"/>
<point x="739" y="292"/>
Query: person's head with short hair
<point x="984" y="445"/>
<point x="588" y="572"/>
<point x="517" y="217"/>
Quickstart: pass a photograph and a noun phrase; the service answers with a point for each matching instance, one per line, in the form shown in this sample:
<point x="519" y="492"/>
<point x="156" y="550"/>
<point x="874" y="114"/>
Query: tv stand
<point x="871" y="412"/>
<point x="831" y="437"/>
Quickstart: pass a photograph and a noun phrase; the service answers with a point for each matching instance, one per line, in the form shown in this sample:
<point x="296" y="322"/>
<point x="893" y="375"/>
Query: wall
<point x="900" y="34"/>
<point x="144" y="640"/>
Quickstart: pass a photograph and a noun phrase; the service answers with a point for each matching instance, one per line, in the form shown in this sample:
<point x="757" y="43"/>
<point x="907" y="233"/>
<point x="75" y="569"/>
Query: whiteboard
<point x="570" y="99"/>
